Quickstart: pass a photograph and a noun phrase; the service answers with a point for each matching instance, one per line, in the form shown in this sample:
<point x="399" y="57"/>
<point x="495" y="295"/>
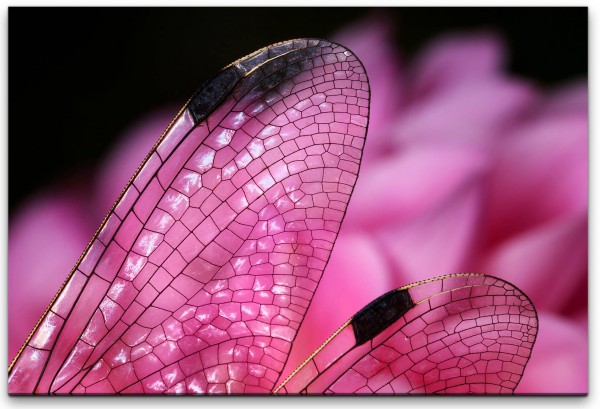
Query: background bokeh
<point x="476" y="157"/>
<point x="80" y="76"/>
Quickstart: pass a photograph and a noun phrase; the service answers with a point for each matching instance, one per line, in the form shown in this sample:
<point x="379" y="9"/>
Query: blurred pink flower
<point x="466" y="169"/>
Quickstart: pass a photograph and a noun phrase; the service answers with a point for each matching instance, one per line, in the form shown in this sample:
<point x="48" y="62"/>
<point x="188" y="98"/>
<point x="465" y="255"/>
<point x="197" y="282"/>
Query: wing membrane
<point x="199" y="277"/>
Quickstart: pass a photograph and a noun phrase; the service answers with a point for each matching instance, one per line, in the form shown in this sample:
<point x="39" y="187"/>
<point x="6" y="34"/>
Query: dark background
<point x="79" y="76"/>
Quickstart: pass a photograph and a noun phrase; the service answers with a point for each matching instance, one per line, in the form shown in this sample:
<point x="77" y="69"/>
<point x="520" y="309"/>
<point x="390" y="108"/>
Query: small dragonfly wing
<point x="457" y="334"/>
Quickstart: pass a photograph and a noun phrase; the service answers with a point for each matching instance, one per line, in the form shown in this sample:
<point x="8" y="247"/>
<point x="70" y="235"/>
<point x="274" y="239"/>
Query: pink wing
<point x="457" y="334"/>
<point x="199" y="277"/>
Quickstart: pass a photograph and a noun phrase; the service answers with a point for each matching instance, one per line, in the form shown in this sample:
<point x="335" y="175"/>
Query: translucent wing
<point x="455" y="334"/>
<point x="199" y="277"/>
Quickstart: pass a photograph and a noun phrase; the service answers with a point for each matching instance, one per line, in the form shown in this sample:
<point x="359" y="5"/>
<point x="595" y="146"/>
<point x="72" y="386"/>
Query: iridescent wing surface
<point x="199" y="277"/>
<point x="456" y="334"/>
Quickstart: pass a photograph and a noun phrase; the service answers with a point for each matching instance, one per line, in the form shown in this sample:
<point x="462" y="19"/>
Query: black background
<point x="79" y="76"/>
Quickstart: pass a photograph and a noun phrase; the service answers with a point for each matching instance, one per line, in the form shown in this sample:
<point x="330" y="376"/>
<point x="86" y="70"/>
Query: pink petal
<point x="548" y="263"/>
<point x="570" y="98"/>
<point x="559" y="361"/>
<point x="46" y="238"/>
<point x="436" y="243"/>
<point x="423" y="177"/>
<point x="470" y="112"/>
<point x="455" y="58"/>
<point x="540" y="175"/>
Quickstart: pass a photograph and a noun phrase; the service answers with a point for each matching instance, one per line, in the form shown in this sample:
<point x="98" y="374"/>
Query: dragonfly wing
<point x="456" y="334"/>
<point x="199" y="277"/>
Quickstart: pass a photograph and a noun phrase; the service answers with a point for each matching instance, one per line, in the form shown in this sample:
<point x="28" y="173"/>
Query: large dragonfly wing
<point x="199" y="277"/>
<point x="456" y="334"/>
